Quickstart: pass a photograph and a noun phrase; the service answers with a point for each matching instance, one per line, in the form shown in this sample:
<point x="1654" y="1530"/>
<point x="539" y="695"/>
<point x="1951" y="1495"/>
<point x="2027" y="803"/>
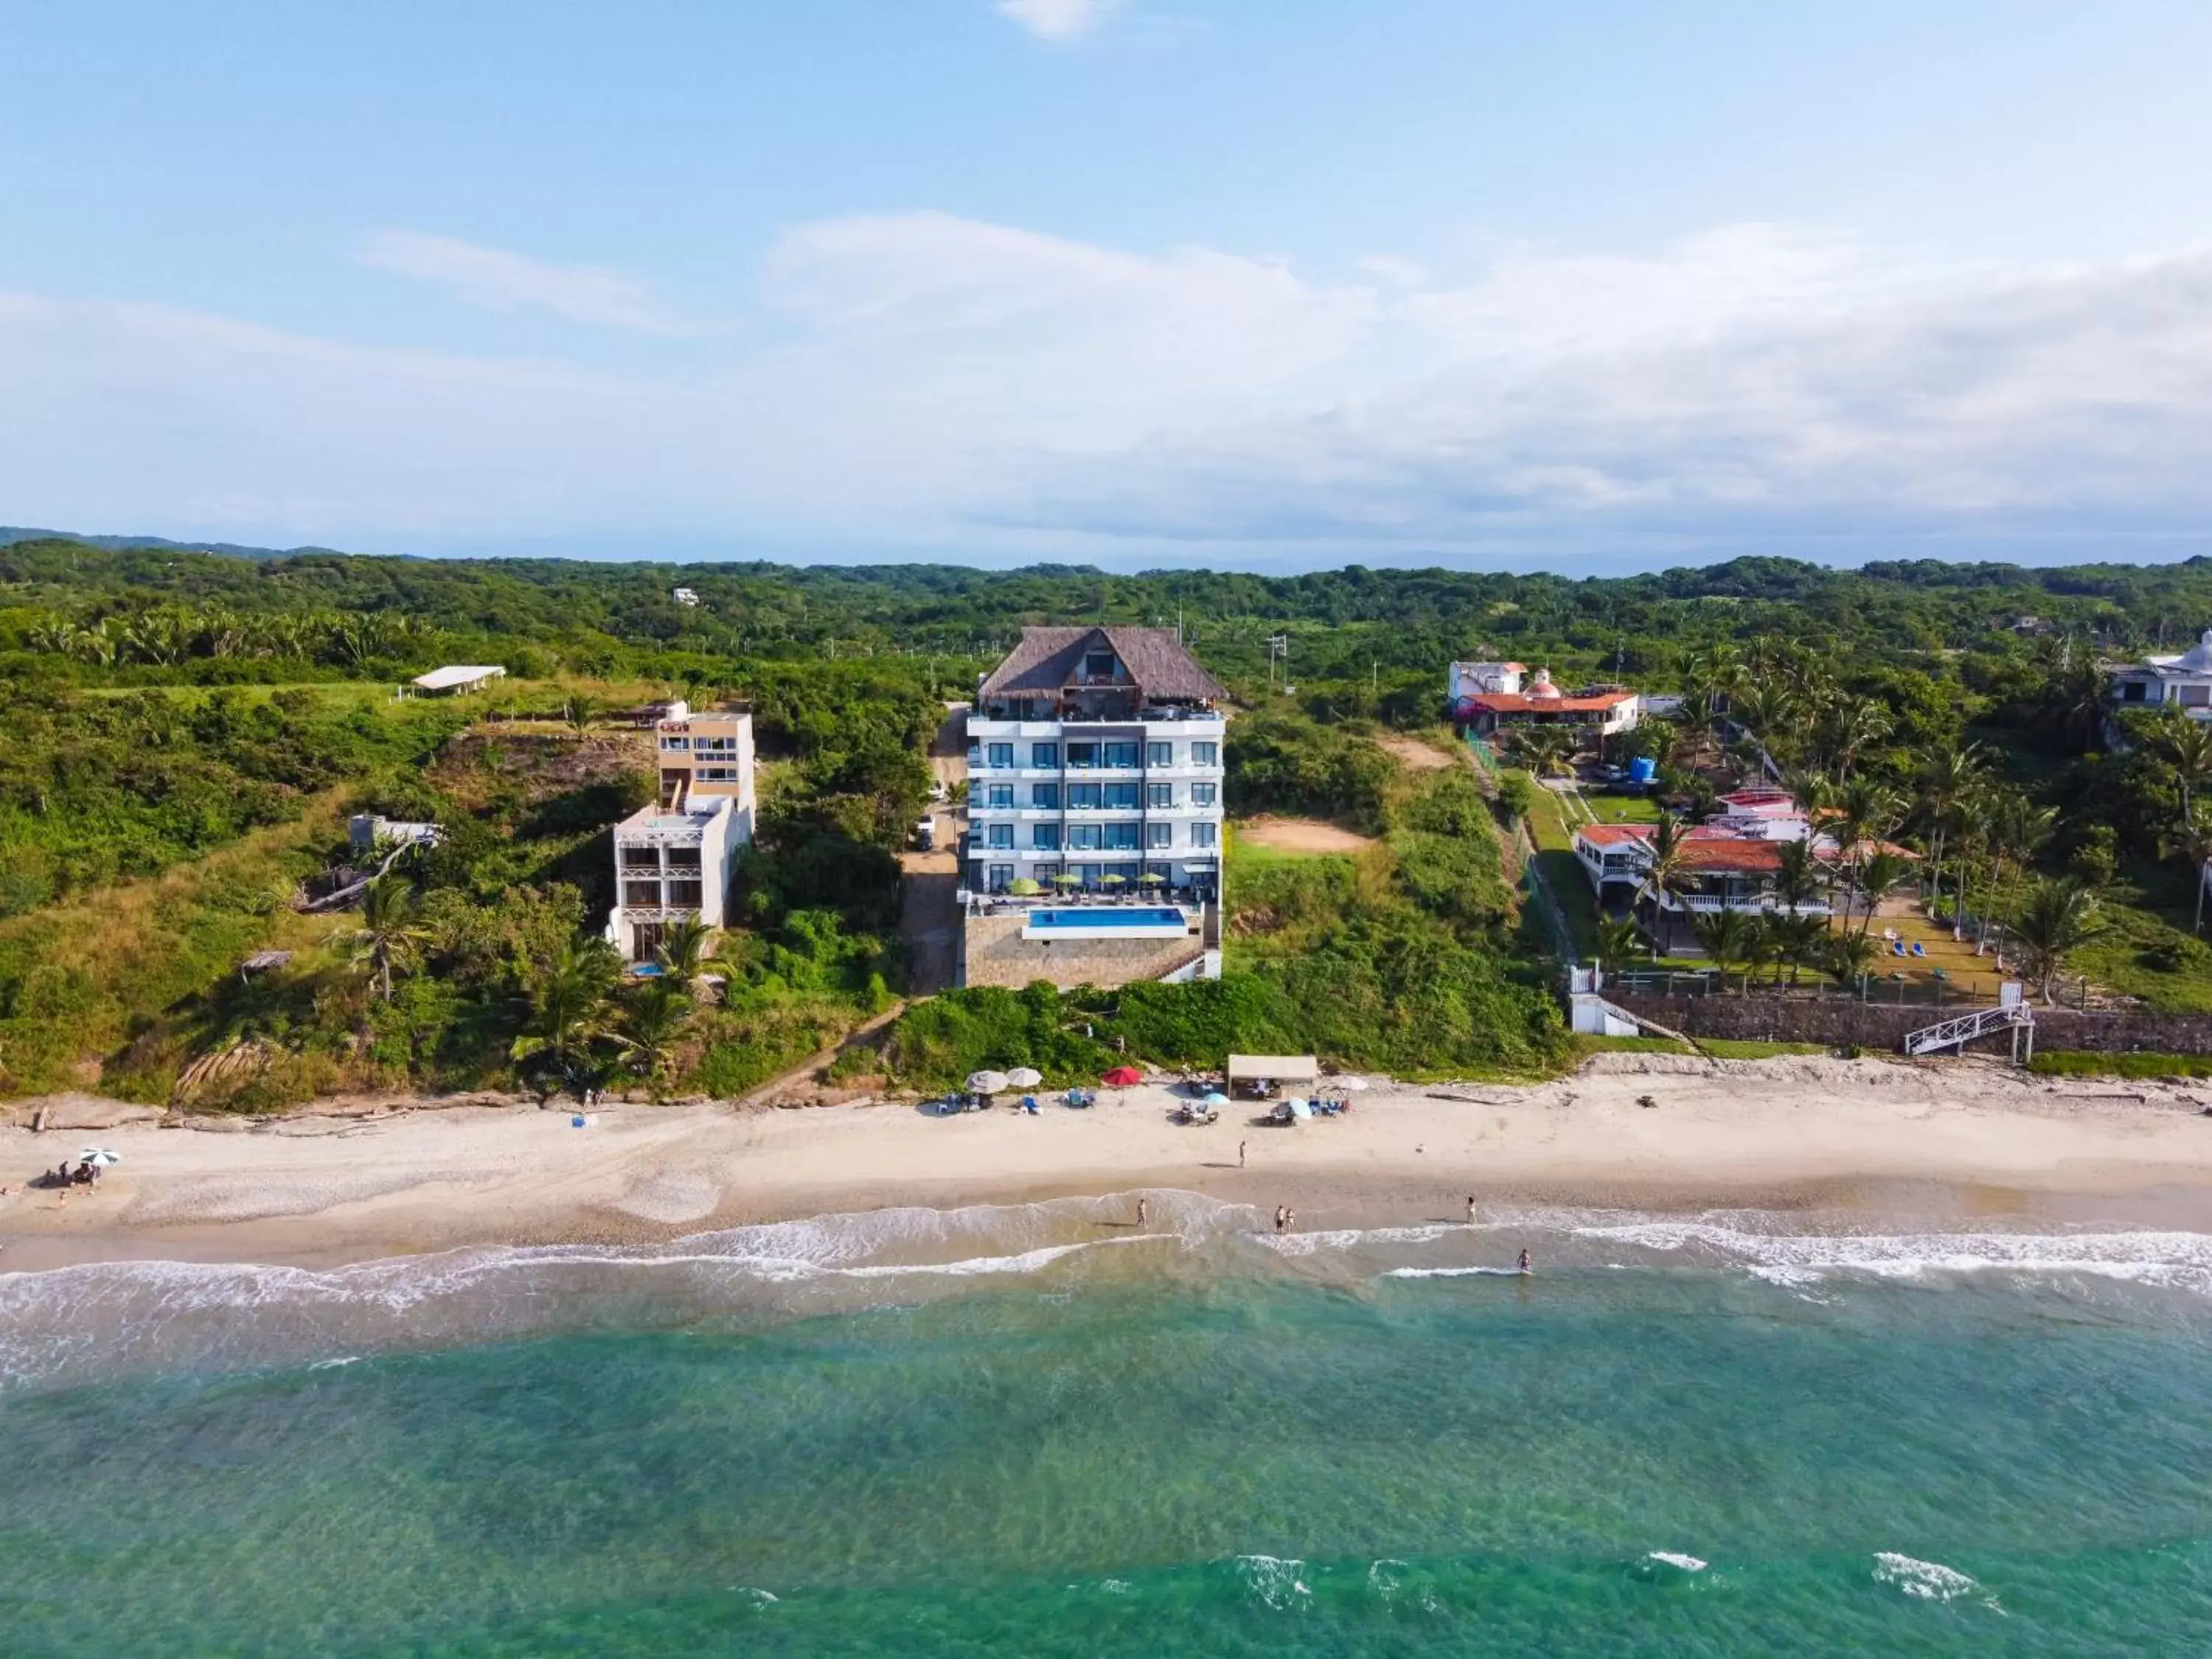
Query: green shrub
<point x="2078" y="1063"/>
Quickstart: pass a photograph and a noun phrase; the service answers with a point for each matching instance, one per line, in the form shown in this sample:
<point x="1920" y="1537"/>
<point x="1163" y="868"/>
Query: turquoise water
<point x="1731" y="1436"/>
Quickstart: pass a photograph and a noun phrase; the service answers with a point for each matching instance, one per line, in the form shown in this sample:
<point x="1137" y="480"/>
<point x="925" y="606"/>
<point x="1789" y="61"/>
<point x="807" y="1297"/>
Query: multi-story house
<point x="675" y="860"/>
<point x="1598" y="711"/>
<point x="1094" y="759"/>
<point x="2183" y="681"/>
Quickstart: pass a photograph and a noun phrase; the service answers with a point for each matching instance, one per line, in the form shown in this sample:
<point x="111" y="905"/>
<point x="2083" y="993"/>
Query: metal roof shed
<point x="1249" y="1069"/>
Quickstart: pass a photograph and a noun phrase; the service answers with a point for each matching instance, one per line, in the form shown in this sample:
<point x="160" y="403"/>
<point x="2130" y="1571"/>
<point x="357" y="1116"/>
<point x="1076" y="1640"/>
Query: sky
<point x="1269" y="285"/>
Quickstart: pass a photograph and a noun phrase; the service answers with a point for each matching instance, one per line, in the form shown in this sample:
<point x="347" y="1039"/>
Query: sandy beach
<point x="320" y="1188"/>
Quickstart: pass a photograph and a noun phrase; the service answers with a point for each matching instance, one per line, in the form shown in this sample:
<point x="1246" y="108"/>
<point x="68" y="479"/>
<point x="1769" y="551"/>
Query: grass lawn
<point x="1561" y="870"/>
<point x="1622" y="809"/>
<point x="1718" y="1048"/>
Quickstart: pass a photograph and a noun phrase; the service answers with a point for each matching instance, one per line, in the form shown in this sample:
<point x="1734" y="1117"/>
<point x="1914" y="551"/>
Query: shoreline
<point x="1868" y="1137"/>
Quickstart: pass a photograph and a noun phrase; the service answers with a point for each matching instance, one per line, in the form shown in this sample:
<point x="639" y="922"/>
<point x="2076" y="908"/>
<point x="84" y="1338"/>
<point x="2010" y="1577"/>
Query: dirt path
<point x="1306" y="835"/>
<point x="802" y="1075"/>
<point x="1415" y="754"/>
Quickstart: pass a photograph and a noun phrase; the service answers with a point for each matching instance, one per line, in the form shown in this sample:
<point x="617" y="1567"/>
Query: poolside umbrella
<point x="97" y="1155"/>
<point x="1024" y="1077"/>
<point x="987" y="1082"/>
<point x="1068" y="879"/>
<point x="1024" y="887"/>
<point x="1151" y="878"/>
<point x="1122" y="1077"/>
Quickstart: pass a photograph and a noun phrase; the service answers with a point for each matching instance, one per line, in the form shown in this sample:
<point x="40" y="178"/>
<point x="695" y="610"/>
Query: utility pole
<point x="1279" y="646"/>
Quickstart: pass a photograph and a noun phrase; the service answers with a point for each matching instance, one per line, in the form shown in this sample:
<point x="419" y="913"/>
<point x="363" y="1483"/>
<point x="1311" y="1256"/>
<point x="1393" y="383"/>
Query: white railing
<point x="1965" y="1028"/>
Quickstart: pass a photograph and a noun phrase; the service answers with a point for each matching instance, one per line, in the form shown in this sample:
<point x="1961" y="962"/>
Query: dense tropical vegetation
<point x="186" y="732"/>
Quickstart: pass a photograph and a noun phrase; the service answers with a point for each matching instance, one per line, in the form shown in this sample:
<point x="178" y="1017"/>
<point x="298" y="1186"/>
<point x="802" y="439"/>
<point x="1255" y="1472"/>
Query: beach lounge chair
<point x="1897" y="947"/>
<point x="1919" y="950"/>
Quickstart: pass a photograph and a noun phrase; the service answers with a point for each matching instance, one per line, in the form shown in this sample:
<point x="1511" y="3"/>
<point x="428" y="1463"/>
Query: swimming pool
<point x="1106" y="916"/>
<point x="1106" y="921"/>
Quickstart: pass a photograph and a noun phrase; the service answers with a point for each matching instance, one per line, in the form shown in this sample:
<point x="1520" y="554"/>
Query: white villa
<point x="1095" y="753"/>
<point x="2183" y="681"/>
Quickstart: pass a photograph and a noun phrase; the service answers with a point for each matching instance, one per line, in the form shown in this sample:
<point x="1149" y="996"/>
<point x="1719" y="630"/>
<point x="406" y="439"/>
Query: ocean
<point x="1037" y="1430"/>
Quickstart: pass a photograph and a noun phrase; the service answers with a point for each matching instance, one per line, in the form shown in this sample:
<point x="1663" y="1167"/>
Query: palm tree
<point x="1728" y="937"/>
<point x="2184" y="748"/>
<point x="1619" y="940"/>
<point x="649" y="1027"/>
<point x="570" y="994"/>
<point x="388" y="933"/>
<point x="1797" y="875"/>
<point x="1947" y="779"/>
<point x="2019" y="830"/>
<point x="2195" y="844"/>
<point x="684" y="953"/>
<point x="1874" y="877"/>
<point x="1853" y="726"/>
<point x="1546" y="750"/>
<point x="581" y="711"/>
<point x="1662" y="869"/>
<point x="1849" y="956"/>
<point x="2057" y="918"/>
<point x="1803" y="937"/>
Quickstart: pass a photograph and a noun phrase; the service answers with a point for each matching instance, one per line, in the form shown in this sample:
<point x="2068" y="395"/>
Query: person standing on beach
<point x="1240" y="1154"/>
<point x="1522" y="1265"/>
<point x="1290" y="1219"/>
<point x="1470" y="1209"/>
<point x="1141" y="1209"/>
<point x="1279" y="1214"/>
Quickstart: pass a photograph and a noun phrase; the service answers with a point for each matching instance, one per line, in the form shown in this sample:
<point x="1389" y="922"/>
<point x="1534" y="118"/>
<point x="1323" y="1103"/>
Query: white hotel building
<point x="677" y="860"/>
<point x="1096" y="752"/>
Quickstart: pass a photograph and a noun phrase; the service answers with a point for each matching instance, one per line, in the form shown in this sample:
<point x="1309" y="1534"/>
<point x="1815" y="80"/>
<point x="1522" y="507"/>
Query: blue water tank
<point x="1643" y="769"/>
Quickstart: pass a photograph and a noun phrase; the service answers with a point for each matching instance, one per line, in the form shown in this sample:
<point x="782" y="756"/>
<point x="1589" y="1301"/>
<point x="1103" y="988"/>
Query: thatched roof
<point x="1049" y="660"/>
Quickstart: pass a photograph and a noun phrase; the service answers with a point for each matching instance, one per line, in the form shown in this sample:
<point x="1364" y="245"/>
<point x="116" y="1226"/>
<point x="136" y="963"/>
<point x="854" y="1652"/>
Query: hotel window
<point x="1082" y="754"/>
<point x="676" y="742"/>
<point x="718" y="775"/>
<point x="1046" y="795"/>
<point x="642" y="894"/>
<point x="1159" y="794"/>
<point x="1204" y="794"/>
<point x="1002" y="794"/>
<point x="683" y="895"/>
<point x="1098" y="665"/>
<point x="1044" y="754"/>
<point x="640" y="858"/>
<point x="1122" y="837"/>
<point x="1121" y="754"/>
<point x="1122" y="795"/>
<point x="1201" y="834"/>
<point x="683" y="858"/>
<point x="1159" y="834"/>
<point x="1206" y="754"/>
<point x="1085" y="837"/>
<point x="1002" y="835"/>
<point x="1159" y="754"/>
<point x="1045" y="837"/>
<point x="1001" y="754"/>
<point x="999" y="877"/>
<point x="1080" y="795"/>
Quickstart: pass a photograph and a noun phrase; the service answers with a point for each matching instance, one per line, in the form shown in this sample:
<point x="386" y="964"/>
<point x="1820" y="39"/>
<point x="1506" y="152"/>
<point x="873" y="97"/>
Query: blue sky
<point x="1156" y="282"/>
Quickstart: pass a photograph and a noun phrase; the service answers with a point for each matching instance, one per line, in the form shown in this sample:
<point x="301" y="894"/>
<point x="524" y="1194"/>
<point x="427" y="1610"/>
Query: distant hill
<point x="12" y="533"/>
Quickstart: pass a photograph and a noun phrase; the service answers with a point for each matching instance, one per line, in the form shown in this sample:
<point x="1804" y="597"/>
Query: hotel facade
<point x="675" y="860"/>
<point x="1095" y="762"/>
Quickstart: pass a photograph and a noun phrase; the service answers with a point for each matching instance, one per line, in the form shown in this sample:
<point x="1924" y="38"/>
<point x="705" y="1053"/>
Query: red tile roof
<point x="1520" y="702"/>
<point x="1613" y="835"/>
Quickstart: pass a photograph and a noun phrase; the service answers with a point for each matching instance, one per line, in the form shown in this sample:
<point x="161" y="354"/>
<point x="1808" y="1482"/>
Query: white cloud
<point x="1397" y="272"/>
<point x="916" y="379"/>
<point x="502" y="281"/>
<point x="1057" y="20"/>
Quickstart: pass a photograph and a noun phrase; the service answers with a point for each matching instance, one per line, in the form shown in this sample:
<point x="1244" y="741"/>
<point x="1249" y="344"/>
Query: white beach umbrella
<point x="1215" y="1097"/>
<point x="986" y="1083"/>
<point x="1024" y="1077"/>
<point x="98" y="1155"/>
<point x="1299" y="1109"/>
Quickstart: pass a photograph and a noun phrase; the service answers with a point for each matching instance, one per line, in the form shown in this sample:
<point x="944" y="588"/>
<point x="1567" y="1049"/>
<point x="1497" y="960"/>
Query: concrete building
<point x="675" y="860"/>
<point x="684" y="596"/>
<point x="1094" y="761"/>
<point x="2183" y="681"/>
<point x="1477" y="679"/>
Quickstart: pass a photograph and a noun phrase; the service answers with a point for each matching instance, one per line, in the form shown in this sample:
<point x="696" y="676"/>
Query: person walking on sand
<point x="1142" y="1207"/>
<point x="1470" y="1209"/>
<point x="1240" y="1154"/>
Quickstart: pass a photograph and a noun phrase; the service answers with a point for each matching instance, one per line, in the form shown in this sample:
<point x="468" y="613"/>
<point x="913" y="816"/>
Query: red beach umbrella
<point x="1122" y="1076"/>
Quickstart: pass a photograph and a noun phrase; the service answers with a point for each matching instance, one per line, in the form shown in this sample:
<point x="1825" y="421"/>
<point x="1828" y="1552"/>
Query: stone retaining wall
<point x="1837" y="1022"/>
<point x="994" y="952"/>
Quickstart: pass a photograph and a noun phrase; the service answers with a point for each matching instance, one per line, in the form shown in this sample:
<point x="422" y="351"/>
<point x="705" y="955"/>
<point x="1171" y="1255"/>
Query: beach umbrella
<point x="1024" y="1077"/>
<point x="97" y="1155"/>
<point x="987" y="1082"/>
<point x="1024" y="887"/>
<point x="1351" y="1085"/>
<point x="1215" y="1097"/>
<point x="1299" y="1109"/>
<point x="1112" y="881"/>
<point x="1122" y="1077"/>
<point x="1151" y="878"/>
<point x="1068" y="879"/>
